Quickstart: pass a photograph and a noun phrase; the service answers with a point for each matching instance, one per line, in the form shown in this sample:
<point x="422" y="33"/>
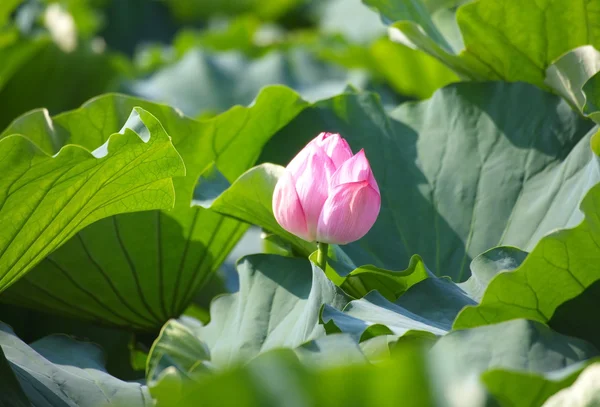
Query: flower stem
<point x="322" y="256"/>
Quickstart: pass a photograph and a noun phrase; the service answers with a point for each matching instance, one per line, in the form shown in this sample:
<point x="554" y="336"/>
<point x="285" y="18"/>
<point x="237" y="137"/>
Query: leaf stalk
<point x="322" y="256"/>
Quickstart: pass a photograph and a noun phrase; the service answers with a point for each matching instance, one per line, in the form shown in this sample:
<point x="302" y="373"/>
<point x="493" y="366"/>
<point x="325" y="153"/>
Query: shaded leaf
<point x="430" y="305"/>
<point x="12" y="395"/>
<point x="277" y="306"/>
<point x="119" y="345"/>
<point x="572" y="316"/>
<point x="591" y="90"/>
<point x="58" y="371"/>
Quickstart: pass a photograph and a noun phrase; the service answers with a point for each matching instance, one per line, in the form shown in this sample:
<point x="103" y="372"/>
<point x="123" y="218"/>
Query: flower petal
<point x="335" y="147"/>
<point x="349" y="213"/>
<point x="288" y="209"/>
<point x="355" y="169"/>
<point x="312" y="186"/>
<point x="299" y="161"/>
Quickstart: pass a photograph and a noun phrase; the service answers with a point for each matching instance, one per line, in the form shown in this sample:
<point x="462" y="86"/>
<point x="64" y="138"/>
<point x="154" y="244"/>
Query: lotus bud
<point x="326" y="193"/>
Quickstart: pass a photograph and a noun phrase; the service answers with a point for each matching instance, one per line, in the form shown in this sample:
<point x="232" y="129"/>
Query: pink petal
<point x="349" y="213"/>
<point x="373" y="182"/>
<point x="299" y="161"/>
<point x="287" y="208"/>
<point x="355" y="169"/>
<point x="312" y="186"/>
<point x="335" y="147"/>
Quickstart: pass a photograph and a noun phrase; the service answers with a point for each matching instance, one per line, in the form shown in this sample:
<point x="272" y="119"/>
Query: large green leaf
<point x="518" y="344"/>
<point x="278" y="379"/>
<point x="48" y="199"/>
<point x="57" y="371"/>
<point x="505" y="39"/>
<point x="277" y="306"/>
<point x="503" y="173"/>
<point x="142" y="268"/>
<point x="563" y="266"/>
<point x="516" y="356"/>
<point x="181" y="356"/>
<point x="510" y="164"/>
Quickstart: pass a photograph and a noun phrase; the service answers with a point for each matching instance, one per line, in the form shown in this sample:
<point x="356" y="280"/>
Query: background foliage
<point x="140" y="262"/>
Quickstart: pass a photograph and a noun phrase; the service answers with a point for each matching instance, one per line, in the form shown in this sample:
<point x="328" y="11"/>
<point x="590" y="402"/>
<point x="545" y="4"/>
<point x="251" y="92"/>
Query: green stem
<point x="322" y="256"/>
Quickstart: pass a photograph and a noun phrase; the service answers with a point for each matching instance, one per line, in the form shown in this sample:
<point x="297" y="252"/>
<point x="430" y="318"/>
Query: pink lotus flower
<point x="327" y="194"/>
